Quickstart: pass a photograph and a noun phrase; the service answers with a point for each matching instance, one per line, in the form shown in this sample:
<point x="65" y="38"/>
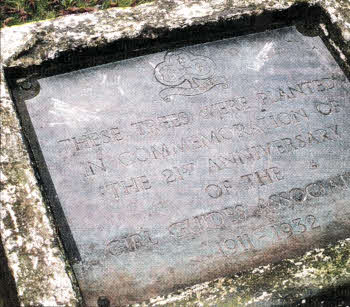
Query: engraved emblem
<point x="186" y="74"/>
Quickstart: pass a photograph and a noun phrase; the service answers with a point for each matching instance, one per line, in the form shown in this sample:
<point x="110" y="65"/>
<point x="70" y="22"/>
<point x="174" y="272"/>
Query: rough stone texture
<point x="34" y="43"/>
<point x="34" y="255"/>
<point x="291" y="281"/>
<point x="339" y="12"/>
<point x="30" y="242"/>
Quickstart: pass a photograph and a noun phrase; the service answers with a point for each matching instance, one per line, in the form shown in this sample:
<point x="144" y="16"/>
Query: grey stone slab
<point x="182" y="166"/>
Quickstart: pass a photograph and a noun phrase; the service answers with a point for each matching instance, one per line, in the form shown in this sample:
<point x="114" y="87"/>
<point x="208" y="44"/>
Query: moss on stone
<point x="289" y="281"/>
<point x="34" y="44"/>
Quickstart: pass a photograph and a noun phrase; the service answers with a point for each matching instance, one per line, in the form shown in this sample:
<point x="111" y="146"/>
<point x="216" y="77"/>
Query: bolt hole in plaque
<point x="195" y="161"/>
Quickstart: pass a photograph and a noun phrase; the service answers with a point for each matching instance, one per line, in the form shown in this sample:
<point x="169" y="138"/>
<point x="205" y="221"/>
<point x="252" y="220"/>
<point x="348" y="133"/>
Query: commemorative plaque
<point x="185" y="165"/>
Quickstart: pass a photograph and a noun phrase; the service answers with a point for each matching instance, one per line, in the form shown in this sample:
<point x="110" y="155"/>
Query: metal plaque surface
<point x="182" y="166"/>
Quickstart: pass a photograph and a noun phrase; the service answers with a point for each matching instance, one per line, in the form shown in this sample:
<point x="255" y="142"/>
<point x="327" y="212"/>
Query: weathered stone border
<point x="290" y="282"/>
<point x="34" y="253"/>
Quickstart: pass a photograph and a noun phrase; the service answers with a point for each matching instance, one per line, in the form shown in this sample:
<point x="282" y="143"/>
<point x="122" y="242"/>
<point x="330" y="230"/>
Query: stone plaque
<point x="186" y="165"/>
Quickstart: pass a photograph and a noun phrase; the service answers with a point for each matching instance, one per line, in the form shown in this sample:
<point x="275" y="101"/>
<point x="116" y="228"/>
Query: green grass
<point x="14" y="12"/>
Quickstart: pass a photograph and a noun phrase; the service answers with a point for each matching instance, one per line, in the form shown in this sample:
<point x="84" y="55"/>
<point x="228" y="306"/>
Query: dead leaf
<point x="76" y="10"/>
<point x="7" y="20"/>
<point x="32" y="3"/>
<point x="114" y="4"/>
